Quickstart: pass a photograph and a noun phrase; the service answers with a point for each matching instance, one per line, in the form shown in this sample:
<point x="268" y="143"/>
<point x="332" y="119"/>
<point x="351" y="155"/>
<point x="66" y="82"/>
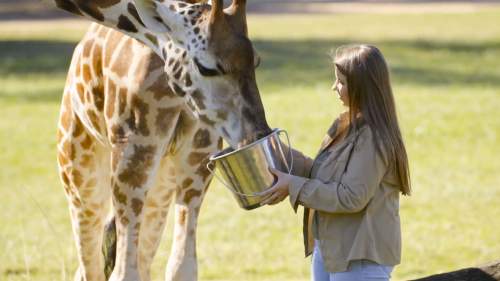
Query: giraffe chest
<point x="120" y="89"/>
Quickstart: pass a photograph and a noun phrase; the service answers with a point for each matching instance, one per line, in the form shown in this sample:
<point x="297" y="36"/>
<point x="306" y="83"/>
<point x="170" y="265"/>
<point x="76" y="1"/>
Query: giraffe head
<point x="219" y="61"/>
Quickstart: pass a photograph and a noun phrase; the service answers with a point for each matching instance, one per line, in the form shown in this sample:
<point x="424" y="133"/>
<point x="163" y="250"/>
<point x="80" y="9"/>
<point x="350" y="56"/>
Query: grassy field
<point x="447" y="84"/>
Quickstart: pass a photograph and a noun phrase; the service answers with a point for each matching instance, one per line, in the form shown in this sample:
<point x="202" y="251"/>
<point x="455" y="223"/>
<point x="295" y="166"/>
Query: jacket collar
<point x="339" y="125"/>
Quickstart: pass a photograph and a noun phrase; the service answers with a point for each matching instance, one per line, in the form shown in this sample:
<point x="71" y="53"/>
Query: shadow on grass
<point x="418" y="63"/>
<point x="290" y="63"/>
<point x="34" y="57"/>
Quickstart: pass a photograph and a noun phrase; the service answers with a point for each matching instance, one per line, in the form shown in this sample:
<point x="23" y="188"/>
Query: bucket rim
<point x="218" y="155"/>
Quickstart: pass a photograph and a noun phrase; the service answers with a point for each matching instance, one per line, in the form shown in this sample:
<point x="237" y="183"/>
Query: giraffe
<point x="152" y="89"/>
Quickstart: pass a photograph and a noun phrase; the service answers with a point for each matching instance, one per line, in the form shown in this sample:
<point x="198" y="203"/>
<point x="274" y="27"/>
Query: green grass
<point x="447" y="85"/>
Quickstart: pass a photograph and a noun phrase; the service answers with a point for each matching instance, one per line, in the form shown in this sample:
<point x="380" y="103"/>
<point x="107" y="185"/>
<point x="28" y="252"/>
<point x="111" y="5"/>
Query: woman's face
<point x="340" y="87"/>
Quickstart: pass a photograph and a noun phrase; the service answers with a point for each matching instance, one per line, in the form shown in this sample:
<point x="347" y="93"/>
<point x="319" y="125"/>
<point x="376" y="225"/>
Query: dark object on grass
<point x="109" y="247"/>
<point x="489" y="272"/>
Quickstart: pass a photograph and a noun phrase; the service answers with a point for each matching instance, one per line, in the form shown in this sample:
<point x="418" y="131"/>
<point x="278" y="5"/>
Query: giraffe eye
<point x="205" y="71"/>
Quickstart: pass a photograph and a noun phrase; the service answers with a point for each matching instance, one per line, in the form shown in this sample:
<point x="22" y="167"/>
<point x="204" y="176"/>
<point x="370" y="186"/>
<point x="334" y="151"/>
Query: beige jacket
<point x="356" y="197"/>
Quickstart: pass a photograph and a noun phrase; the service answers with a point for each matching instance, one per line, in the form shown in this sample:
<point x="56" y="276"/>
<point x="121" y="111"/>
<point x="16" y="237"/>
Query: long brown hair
<point x="370" y="93"/>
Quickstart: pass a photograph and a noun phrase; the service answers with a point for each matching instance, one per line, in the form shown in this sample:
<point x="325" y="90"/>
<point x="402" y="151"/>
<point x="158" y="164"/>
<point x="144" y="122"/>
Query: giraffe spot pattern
<point x="164" y="120"/>
<point x="125" y="24"/>
<point x="196" y="158"/>
<point x="136" y="205"/>
<point x="138" y="117"/>
<point x="135" y="173"/>
<point x="133" y="11"/>
<point x="201" y="139"/>
<point x="190" y="194"/>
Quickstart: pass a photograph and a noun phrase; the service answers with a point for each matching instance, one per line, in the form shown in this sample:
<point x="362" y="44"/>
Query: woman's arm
<point x="363" y="175"/>
<point x="301" y="164"/>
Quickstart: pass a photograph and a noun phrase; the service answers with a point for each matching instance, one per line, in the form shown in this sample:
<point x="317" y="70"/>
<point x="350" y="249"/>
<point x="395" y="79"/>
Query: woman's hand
<point x="278" y="191"/>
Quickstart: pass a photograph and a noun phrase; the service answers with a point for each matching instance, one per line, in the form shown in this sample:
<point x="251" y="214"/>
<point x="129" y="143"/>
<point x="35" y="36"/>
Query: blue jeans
<point x="359" y="270"/>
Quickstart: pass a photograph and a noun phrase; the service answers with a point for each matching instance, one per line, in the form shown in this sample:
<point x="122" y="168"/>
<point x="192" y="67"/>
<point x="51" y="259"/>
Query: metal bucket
<point x="245" y="170"/>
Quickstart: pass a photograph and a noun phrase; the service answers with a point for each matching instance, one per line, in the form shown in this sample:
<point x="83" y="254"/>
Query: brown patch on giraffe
<point x="206" y="120"/>
<point x="94" y="119"/>
<point x="78" y="69"/>
<point x="87" y="47"/>
<point x="117" y="134"/>
<point x="135" y="174"/>
<point x="76" y="177"/>
<point x="110" y="102"/>
<point x="106" y="3"/>
<point x="80" y="88"/>
<point x="133" y="11"/>
<point x="195" y="158"/>
<point x="86" y="74"/>
<point x="184" y="124"/>
<point x="137" y="120"/>
<point x="97" y="60"/>
<point x="69" y="149"/>
<point x="78" y="128"/>
<point x="186" y="183"/>
<point x="199" y="98"/>
<point x="62" y="159"/>
<point x="118" y="195"/>
<point x="65" y="119"/>
<point x="68" y="6"/>
<point x="136" y="205"/>
<point x="187" y="80"/>
<point x="122" y="100"/>
<point x="201" y="139"/>
<point x="152" y="39"/>
<point x="177" y="75"/>
<point x="125" y="24"/>
<point x="182" y="217"/>
<point x="92" y="182"/>
<point x="126" y="55"/>
<point x="86" y="142"/>
<point x="124" y="220"/>
<point x="91" y="9"/>
<point x="137" y="226"/>
<point x="220" y="143"/>
<point x="202" y="170"/>
<point x="65" y="179"/>
<point x="190" y="194"/>
<point x="178" y="90"/>
<point x="86" y="161"/>
<point x="88" y="97"/>
<point x="164" y="120"/>
<point x="98" y="97"/>
<point x="88" y="213"/>
<point x="160" y="88"/>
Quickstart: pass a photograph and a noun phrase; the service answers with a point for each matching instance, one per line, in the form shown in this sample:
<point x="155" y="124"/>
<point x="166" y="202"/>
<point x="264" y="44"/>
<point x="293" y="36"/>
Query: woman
<point x="351" y="190"/>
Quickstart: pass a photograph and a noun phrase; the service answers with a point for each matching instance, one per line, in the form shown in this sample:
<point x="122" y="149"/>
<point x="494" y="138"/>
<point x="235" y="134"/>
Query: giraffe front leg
<point x="155" y="214"/>
<point x="134" y="168"/>
<point x="87" y="191"/>
<point x="182" y="263"/>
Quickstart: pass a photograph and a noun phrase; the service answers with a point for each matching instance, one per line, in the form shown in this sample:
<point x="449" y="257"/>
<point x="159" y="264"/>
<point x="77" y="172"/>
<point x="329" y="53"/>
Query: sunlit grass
<point x="447" y="86"/>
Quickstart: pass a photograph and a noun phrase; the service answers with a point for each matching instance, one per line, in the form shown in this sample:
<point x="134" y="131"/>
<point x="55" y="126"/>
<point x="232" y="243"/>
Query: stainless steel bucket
<point x="245" y="170"/>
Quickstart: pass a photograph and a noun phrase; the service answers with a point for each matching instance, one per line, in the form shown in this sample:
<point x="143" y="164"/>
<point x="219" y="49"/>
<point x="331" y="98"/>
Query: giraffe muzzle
<point x="245" y="171"/>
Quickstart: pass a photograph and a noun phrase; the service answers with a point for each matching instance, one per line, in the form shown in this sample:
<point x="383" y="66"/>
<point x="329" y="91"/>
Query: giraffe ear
<point x="148" y="12"/>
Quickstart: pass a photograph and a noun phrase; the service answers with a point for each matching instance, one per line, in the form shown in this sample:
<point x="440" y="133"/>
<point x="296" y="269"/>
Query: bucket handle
<point x="290" y="151"/>
<point x="211" y="170"/>
<point x="289" y="167"/>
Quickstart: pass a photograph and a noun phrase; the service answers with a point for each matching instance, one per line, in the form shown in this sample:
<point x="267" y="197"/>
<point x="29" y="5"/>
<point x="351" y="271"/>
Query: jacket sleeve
<point x="363" y="175"/>
<point x="302" y="164"/>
